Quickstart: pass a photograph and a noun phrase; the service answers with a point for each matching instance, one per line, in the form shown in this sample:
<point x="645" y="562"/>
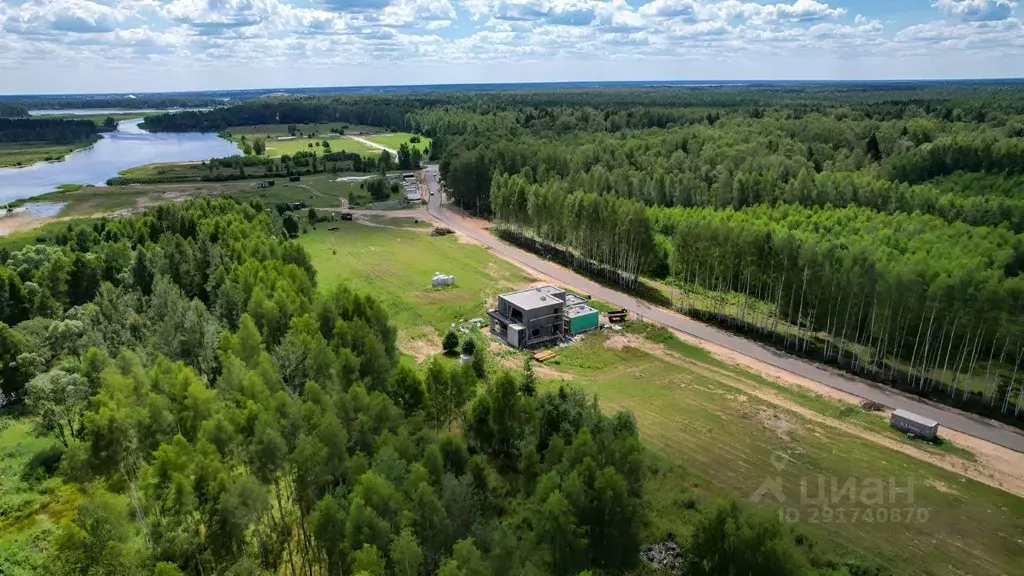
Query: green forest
<point x="873" y="227"/>
<point x="878" y="231"/>
<point x="202" y="408"/>
<point x="56" y="130"/>
<point x="182" y="396"/>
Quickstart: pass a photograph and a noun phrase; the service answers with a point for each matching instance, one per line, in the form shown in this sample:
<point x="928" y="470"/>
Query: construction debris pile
<point x="441" y="231"/>
<point x="666" y="556"/>
<point x="872" y="406"/>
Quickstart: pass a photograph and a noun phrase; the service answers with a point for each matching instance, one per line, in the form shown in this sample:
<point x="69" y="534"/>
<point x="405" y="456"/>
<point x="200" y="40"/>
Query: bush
<point x="450" y="343"/>
<point x="479" y="363"/>
<point x="43" y="463"/>
<point x="468" y="347"/>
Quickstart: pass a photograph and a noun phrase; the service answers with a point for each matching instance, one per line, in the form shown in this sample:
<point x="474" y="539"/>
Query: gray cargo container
<point x="914" y="424"/>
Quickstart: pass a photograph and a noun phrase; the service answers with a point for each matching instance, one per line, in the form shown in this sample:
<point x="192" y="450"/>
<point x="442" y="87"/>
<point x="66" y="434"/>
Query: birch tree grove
<point x="600" y="233"/>
<point x="908" y="300"/>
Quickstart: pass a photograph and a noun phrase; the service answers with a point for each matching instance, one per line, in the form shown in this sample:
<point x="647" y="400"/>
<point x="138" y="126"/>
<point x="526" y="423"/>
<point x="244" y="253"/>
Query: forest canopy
<point x="873" y="226"/>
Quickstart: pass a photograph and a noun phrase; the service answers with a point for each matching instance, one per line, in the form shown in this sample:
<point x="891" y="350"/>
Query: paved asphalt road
<point x="955" y="419"/>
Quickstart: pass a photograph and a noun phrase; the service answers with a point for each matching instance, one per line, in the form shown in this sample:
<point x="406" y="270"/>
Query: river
<point x="128" y="147"/>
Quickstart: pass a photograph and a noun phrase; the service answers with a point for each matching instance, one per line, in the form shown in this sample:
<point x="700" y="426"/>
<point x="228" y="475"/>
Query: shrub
<point x="43" y="463"/>
<point x="450" y="343"/>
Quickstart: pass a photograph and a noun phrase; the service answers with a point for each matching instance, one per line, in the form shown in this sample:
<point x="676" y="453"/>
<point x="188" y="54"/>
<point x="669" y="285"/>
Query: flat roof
<point x="916" y="418"/>
<point x="575" y="310"/>
<point x="532" y="298"/>
<point x="571" y="298"/>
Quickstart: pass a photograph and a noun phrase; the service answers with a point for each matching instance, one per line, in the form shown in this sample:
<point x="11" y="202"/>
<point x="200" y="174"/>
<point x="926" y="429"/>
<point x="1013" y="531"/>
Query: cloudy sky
<point x="156" y="45"/>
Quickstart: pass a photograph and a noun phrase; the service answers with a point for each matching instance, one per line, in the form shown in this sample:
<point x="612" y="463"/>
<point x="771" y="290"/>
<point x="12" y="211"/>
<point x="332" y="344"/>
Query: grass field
<point x="338" y="144"/>
<point x="710" y="434"/>
<point x="720" y="433"/>
<point x="27" y="153"/>
<point x="300" y="141"/>
<point x="396" y="139"/>
<point x="396" y="265"/>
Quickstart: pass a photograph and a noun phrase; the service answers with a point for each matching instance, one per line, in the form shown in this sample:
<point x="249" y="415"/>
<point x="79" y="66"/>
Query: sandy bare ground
<point x="421" y="347"/>
<point x="21" y="221"/>
<point x="995" y="466"/>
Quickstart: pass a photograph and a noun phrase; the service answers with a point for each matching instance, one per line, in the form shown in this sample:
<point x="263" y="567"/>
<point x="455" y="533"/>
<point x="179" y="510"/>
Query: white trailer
<point x="915" y="424"/>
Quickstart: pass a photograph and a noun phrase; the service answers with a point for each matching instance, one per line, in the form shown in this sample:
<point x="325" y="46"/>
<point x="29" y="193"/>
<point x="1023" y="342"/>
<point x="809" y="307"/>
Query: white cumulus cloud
<point x="976" y="10"/>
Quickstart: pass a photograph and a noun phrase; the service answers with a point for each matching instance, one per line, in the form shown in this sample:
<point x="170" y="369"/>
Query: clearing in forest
<point x="394" y="259"/>
<point x="717" y="421"/>
<point x="305" y="137"/>
<point x="396" y="139"/>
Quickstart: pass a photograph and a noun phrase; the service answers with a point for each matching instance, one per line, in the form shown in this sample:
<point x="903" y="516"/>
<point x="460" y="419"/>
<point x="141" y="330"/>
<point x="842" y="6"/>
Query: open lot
<point x="396" y="139"/>
<point x="276" y="147"/>
<point x="394" y="259"/>
<point x="718" y="423"/>
<point x="281" y="141"/>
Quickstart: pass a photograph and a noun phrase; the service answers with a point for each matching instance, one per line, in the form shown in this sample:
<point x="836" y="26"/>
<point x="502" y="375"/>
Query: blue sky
<point x="156" y="45"/>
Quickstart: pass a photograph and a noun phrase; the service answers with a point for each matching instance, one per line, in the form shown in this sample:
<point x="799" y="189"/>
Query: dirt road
<point x="952" y="418"/>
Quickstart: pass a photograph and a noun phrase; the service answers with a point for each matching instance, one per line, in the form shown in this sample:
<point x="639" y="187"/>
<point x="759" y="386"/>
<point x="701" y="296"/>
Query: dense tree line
<point x="385" y="112"/>
<point x="12" y="110"/>
<point x="56" y="130"/>
<point x="112" y="102"/>
<point x="612" y="233"/>
<point x="905" y="298"/>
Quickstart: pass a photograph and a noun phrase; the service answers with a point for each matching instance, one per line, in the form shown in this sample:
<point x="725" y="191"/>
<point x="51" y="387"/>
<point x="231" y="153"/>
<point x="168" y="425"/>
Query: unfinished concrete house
<point x="537" y="315"/>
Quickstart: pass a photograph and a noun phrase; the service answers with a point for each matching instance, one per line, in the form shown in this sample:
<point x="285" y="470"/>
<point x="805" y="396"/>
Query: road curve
<point x="960" y="421"/>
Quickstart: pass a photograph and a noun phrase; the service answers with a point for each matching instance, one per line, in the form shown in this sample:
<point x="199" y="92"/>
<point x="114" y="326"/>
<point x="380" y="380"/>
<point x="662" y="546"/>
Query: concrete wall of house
<point x="543" y="323"/>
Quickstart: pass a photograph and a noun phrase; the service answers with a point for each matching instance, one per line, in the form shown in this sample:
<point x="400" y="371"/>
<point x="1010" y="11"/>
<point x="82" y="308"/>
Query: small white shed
<point x="915" y="424"/>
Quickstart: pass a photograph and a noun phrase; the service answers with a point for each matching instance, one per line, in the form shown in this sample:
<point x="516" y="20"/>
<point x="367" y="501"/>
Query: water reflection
<point x="128" y="147"/>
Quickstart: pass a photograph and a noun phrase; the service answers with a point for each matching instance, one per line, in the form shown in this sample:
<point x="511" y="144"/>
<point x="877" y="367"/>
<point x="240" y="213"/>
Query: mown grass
<point x="301" y="140"/>
<point x="728" y="438"/>
<point x="277" y="148"/>
<point x="28" y="153"/>
<point x="396" y="265"/>
<point x="396" y="139"/>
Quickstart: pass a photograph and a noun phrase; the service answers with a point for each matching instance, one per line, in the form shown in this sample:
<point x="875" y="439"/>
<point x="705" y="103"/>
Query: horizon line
<point x="710" y="82"/>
